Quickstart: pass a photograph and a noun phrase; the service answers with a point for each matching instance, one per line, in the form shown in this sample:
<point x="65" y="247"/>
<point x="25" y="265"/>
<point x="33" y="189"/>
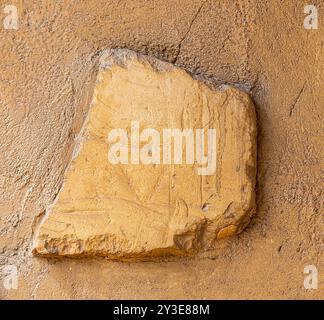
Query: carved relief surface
<point x="134" y="209"/>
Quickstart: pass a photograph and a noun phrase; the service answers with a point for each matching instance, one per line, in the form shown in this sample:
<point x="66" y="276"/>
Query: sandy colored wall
<point x="47" y="74"/>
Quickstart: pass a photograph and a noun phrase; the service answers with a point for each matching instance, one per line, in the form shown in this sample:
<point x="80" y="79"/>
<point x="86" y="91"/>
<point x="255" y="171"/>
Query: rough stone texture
<point x="48" y="68"/>
<point x="131" y="211"/>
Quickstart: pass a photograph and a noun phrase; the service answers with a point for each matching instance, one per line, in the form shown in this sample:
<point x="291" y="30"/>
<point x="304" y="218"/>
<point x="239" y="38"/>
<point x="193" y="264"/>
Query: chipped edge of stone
<point x="122" y="57"/>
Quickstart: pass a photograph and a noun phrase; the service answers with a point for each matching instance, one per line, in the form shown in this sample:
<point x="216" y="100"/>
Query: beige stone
<point x="138" y="211"/>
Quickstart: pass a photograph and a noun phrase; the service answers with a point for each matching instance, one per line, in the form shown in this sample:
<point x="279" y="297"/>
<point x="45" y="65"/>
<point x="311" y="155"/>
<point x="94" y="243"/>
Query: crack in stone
<point x="187" y="32"/>
<point x="297" y="100"/>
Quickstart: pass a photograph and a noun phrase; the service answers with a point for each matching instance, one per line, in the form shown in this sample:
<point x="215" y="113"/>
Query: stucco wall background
<point x="48" y="67"/>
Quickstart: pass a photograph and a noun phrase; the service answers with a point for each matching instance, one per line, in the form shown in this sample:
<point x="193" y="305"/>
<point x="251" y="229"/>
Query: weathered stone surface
<point x="136" y="211"/>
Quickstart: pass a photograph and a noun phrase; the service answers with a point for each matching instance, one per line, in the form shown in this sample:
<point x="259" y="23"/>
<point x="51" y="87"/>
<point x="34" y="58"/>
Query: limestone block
<point x="139" y="210"/>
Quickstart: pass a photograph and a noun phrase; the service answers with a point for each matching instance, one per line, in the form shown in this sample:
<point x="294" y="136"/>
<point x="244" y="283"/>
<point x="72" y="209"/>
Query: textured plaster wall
<point x="47" y="71"/>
